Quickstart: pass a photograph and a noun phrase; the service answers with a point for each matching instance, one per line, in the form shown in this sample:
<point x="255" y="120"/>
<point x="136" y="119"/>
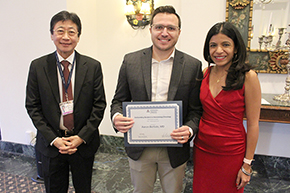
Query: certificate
<point x="153" y="123"/>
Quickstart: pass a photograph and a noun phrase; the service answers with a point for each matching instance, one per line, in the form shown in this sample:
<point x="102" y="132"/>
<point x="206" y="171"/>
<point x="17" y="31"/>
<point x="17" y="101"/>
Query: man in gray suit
<point x="160" y="73"/>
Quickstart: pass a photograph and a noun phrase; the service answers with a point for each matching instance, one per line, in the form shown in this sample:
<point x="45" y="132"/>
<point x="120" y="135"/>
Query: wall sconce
<point x="139" y="12"/>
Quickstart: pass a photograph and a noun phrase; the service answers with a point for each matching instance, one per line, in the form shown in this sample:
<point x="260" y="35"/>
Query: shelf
<point x="274" y="111"/>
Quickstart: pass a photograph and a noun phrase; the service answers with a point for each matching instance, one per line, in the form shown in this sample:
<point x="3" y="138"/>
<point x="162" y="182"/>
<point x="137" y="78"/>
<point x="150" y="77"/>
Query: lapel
<point x="80" y="74"/>
<point x="51" y="70"/>
<point x="176" y="74"/>
<point x="146" y="63"/>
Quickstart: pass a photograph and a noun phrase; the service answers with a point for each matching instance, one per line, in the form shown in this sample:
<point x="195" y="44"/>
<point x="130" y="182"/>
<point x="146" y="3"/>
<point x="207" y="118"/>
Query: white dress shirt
<point x="161" y="74"/>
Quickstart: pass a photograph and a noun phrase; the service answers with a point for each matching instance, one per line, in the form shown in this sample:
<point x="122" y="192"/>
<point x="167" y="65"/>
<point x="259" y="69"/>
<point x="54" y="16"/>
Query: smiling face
<point x="221" y="49"/>
<point x="164" y="40"/>
<point x="66" y="42"/>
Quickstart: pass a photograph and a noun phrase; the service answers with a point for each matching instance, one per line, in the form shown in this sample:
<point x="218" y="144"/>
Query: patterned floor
<point x="10" y="183"/>
<point x="15" y="183"/>
<point x="111" y="174"/>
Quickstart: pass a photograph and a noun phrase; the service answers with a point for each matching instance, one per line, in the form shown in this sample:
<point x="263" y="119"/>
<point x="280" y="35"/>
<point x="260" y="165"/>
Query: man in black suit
<point x="66" y="109"/>
<point x="160" y="73"/>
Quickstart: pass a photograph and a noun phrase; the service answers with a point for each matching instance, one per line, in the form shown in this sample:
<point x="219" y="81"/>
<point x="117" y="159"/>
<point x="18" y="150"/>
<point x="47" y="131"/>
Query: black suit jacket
<point x="42" y="103"/>
<point x="134" y="84"/>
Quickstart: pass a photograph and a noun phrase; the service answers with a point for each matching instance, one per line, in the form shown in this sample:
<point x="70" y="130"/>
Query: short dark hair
<point x="64" y="16"/>
<point x="166" y="9"/>
<point x="236" y="73"/>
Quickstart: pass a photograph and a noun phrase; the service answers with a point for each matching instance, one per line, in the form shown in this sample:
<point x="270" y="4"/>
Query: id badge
<point x="66" y="107"/>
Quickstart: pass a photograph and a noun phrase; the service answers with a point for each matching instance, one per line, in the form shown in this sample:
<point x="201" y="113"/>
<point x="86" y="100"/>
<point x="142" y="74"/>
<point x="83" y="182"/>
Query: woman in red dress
<point x="223" y="150"/>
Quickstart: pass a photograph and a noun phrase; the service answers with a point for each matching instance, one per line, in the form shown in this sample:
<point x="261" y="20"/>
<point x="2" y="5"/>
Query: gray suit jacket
<point x="134" y="84"/>
<point x="42" y="103"/>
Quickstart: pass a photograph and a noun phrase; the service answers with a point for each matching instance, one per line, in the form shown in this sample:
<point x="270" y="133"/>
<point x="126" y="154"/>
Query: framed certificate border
<point x="172" y="106"/>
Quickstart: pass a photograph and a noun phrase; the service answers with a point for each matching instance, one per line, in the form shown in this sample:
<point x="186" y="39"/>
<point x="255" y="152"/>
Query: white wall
<point x="274" y="139"/>
<point x="106" y="36"/>
<point x="24" y="35"/>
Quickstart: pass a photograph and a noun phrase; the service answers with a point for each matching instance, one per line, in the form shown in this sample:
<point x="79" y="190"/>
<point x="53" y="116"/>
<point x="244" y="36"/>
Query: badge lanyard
<point x="62" y="76"/>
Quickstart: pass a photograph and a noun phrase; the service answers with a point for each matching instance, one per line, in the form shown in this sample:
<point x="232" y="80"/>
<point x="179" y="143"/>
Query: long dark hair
<point x="236" y="73"/>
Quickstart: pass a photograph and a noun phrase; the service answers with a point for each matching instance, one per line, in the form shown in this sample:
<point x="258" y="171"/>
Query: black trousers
<point x="56" y="173"/>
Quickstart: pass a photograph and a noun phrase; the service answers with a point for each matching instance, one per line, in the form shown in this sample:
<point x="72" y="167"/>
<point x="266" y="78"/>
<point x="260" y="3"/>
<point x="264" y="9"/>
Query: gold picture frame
<point x="240" y="13"/>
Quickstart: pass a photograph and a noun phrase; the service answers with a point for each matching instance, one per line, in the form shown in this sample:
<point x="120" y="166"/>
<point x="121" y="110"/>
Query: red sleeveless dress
<point x="219" y="147"/>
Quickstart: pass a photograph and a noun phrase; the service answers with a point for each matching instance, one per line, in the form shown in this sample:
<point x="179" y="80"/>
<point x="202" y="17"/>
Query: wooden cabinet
<point x="275" y="111"/>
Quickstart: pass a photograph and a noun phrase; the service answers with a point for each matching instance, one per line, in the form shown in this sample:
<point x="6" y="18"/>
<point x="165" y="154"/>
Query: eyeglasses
<point x="160" y="28"/>
<point x="61" y="32"/>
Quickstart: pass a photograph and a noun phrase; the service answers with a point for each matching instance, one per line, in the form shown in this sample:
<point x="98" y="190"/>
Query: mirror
<point x="270" y="20"/>
<point x="263" y="28"/>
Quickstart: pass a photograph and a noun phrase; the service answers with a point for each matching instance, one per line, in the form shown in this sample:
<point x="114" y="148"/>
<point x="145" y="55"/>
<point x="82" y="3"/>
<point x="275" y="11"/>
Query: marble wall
<point x="108" y="144"/>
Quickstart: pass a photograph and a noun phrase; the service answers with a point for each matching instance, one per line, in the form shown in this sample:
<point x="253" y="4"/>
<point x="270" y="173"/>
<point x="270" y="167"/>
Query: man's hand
<point x="62" y="145"/>
<point x="68" y="145"/>
<point x="123" y="124"/>
<point x="181" y="134"/>
<point x="74" y="140"/>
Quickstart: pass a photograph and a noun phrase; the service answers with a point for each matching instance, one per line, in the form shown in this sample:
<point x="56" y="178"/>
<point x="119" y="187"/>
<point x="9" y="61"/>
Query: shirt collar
<point x="70" y="59"/>
<point x="171" y="57"/>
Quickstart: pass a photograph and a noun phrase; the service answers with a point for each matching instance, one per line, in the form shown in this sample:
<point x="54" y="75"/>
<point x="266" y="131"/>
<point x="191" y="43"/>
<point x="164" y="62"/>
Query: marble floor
<point x="111" y="172"/>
